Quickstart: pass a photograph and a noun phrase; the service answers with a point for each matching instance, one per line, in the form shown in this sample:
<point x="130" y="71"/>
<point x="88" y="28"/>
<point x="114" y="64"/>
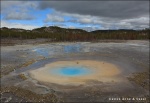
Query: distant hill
<point x="55" y="29"/>
<point x="65" y="34"/>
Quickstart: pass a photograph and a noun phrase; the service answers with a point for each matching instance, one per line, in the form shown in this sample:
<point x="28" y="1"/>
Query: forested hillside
<point x="63" y="34"/>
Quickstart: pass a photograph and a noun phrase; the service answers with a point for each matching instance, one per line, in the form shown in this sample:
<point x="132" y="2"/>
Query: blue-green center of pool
<point x="71" y="71"/>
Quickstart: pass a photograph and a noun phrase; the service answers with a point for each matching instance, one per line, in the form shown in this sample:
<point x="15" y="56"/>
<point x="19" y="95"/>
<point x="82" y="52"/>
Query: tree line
<point x="63" y="34"/>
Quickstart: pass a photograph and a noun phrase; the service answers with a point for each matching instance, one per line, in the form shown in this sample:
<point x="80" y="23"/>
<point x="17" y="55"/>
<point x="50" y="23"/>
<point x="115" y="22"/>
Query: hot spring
<point x="71" y="71"/>
<point x="75" y="72"/>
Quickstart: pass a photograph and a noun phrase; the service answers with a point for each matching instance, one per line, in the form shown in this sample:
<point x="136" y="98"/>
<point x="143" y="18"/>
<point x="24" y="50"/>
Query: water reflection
<point x="50" y="50"/>
<point x="42" y="51"/>
<point x="72" y="48"/>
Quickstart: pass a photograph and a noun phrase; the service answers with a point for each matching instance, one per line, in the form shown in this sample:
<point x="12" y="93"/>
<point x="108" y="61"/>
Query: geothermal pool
<point x="71" y="71"/>
<point x="75" y="72"/>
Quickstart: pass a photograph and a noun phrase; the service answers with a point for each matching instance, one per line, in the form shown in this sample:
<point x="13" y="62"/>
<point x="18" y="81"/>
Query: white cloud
<point x="85" y="20"/>
<point x="107" y="23"/>
<point x="18" y="16"/>
<point x="20" y="10"/>
<point x="21" y="4"/>
<point x="120" y="9"/>
<point x="54" y="18"/>
<point x="17" y="10"/>
<point x="18" y="25"/>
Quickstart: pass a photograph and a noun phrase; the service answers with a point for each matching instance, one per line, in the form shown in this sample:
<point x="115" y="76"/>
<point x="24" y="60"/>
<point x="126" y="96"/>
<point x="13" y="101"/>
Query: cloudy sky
<point x="88" y="15"/>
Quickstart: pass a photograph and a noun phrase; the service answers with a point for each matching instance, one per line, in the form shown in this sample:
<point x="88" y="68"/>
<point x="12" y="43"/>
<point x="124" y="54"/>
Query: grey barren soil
<point x="131" y="57"/>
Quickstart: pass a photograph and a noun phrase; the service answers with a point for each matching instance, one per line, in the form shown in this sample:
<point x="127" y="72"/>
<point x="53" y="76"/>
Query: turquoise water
<point x="71" y="71"/>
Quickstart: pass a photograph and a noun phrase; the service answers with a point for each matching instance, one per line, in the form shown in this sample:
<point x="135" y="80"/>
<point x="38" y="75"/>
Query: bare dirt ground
<point x="131" y="57"/>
